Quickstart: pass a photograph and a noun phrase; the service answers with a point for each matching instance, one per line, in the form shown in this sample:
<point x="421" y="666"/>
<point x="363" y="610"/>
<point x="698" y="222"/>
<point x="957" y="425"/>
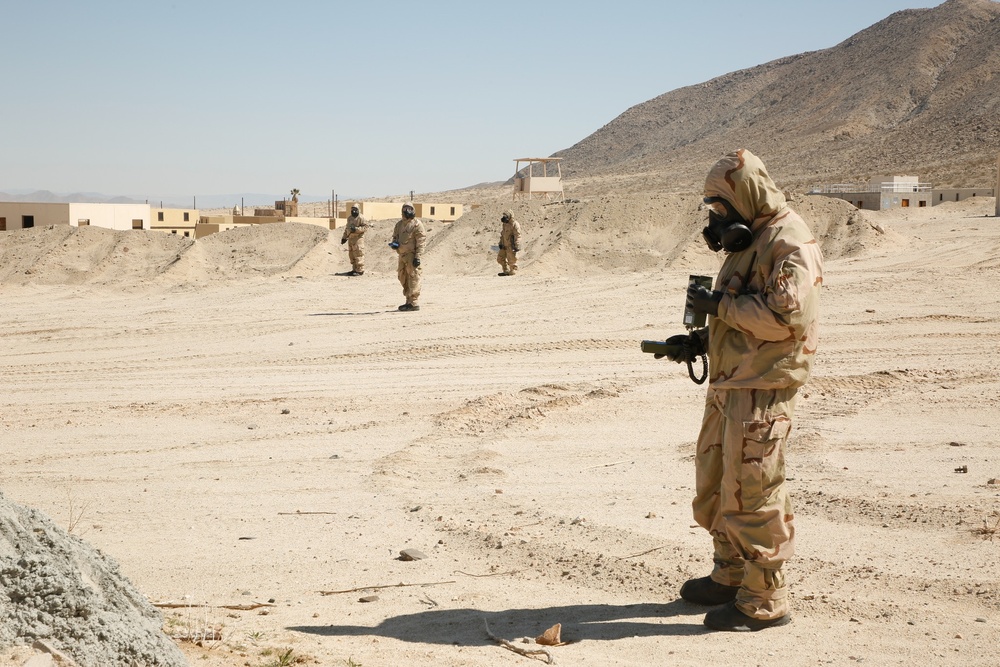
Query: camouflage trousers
<point x="507" y="259"/>
<point x="356" y="251"/>
<point x="740" y="496"/>
<point x="409" y="278"/>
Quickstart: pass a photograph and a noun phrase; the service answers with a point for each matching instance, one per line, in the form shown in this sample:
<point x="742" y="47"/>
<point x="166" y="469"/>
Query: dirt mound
<point x="57" y="588"/>
<point x="254" y="251"/>
<point x="644" y="232"/>
<point x="610" y="234"/>
<point x="65" y="255"/>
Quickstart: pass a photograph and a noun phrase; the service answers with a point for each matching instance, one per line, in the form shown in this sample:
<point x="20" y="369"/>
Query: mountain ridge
<point x="916" y="92"/>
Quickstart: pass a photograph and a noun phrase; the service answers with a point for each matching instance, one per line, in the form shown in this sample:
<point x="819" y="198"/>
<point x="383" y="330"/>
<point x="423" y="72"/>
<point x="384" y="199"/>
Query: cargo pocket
<point x="763" y="467"/>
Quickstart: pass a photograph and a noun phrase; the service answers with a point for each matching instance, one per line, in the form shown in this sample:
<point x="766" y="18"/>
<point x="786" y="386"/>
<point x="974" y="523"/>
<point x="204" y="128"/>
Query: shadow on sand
<point x="465" y="627"/>
<point x="370" y="312"/>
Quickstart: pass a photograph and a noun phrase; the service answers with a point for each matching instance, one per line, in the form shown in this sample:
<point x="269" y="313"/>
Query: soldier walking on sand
<point x="408" y="241"/>
<point x="510" y="243"/>
<point x="354" y="237"/>
<point x="761" y="339"/>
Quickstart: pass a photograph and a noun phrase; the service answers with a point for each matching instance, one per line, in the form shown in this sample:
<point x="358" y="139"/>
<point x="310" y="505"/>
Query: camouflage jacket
<point x="510" y="235"/>
<point x="410" y="236"/>
<point x="766" y="331"/>
<point x="355" y="228"/>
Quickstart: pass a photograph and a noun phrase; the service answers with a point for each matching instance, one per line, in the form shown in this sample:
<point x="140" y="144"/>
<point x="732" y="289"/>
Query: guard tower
<point x="531" y="182"/>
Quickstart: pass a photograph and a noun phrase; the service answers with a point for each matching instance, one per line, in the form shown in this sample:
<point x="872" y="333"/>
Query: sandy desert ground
<point x="276" y="439"/>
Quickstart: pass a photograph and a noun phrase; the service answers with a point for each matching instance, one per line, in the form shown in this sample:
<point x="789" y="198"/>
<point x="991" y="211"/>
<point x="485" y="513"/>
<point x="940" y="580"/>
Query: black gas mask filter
<point x="726" y="230"/>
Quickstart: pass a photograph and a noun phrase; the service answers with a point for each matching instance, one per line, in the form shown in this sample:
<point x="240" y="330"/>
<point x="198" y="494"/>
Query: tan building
<point x="943" y="195"/>
<point x="996" y="190"/>
<point x="287" y="207"/>
<point x="887" y="192"/>
<point x="212" y="224"/>
<point x="180" y="221"/>
<point x="442" y="212"/>
<point x="24" y="215"/>
<point x="880" y="193"/>
<point x="380" y="210"/>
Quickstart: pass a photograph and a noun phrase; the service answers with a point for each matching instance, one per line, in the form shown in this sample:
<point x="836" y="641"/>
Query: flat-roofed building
<point x="180" y="221"/>
<point x="24" y="215"/>
<point x="942" y="195"/>
<point x="377" y="210"/>
<point x="213" y="224"/>
<point x="381" y="210"/>
<point x="880" y="193"/>
<point x="442" y="212"/>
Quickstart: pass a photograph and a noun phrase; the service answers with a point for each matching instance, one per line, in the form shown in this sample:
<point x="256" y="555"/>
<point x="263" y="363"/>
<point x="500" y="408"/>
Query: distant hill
<point x="917" y="93"/>
<point x="45" y="197"/>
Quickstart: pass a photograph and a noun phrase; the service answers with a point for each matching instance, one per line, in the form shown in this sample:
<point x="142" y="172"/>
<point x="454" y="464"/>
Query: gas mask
<point x="504" y="219"/>
<point x="408" y="212"/>
<point x="727" y="230"/>
<point x="354" y="211"/>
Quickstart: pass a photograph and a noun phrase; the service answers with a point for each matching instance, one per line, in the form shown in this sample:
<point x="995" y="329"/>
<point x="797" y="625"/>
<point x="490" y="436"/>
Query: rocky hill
<point x="917" y="93"/>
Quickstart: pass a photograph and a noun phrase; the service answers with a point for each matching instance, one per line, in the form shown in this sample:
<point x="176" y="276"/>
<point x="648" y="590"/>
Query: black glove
<point x="416" y="262"/>
<point x="343" y="241"/>
<point x="703" y="300"/>
<point x="676" y="351"/>
<point x="517" y="248"/>
<point x="501" y="246"/>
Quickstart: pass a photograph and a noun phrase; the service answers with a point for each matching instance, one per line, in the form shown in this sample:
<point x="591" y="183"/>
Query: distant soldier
<point x="354" y="236"/>
<point x="510" y="243"/>
<point x="408" y="241"/>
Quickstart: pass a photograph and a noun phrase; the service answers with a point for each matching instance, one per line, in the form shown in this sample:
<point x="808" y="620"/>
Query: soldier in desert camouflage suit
<point x="510" y="243"/>
<point x="761" y="338"/>
<point x="408" y="241"/>
<point x="354" y="237"/>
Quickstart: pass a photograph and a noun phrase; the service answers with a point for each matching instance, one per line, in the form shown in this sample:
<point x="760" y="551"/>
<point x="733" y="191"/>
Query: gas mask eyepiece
<point x="726" y="230"/>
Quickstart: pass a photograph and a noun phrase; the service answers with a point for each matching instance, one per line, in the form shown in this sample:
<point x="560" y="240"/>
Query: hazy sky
<point x="368" y="98"/>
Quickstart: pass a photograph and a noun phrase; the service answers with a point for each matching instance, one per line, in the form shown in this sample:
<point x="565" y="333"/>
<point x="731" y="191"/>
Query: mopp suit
<point x="510" y="243"/>
<point x="408" y="239"/>
<point x="760" y="342"/>
<point x="354" y="236"/>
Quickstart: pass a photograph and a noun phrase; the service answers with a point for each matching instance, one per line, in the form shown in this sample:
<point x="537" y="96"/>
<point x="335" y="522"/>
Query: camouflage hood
<point x="741" y="179"/>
